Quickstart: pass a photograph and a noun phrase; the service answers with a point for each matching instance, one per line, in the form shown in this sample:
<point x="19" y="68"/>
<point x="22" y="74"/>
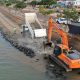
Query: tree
<point x="8" y="3"/>
<point x="71" y="14"/>
<point x="67" y="13"/>
<point x="23" y="0"/>
<point x="2" y="2"/>
<point x="52" y="2"/>
<point x="47" y="2"/>
<point x="44" y="11"/>
<point x="74" y="15"/>
<point x="20" y="4"/>
<point x="33" y="3"/>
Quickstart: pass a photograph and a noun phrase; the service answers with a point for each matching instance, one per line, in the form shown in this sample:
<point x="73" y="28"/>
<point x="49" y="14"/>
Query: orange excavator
<point x="62" y="54"/>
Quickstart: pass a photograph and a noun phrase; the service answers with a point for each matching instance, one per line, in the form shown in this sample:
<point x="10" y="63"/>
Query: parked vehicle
<point x="63" y="20"/>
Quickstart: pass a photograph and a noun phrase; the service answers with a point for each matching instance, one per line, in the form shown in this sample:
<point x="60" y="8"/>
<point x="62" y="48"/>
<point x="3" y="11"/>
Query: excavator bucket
<point x="48" y="44"/>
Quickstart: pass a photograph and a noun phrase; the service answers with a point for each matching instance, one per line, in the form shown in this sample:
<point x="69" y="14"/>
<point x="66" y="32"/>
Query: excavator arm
<point x="52" y="25"/>
<point x="63" y="35"/>
<point x="50" y="28"/>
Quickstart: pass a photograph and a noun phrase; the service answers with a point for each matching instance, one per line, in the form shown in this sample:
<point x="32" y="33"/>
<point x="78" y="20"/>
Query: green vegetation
<point x="59" y="15"/>
<point x="17" y="3"/>
<point x="43" y="2"/>
<point x="71" y="14"/>
<point x="48" y="2"/>
<point x="44" y="11"/>
<point x="7" y="2"/>
<point x="20" y="4"/>
<point x="1" y="2"/>
<point x="34" y="3"/>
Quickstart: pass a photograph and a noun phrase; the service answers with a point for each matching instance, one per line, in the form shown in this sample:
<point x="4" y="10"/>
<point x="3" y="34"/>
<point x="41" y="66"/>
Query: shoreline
<point x="36" y="61"/>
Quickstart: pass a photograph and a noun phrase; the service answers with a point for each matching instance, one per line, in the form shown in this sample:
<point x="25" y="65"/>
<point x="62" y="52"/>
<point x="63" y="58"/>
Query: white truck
<point x="33" y="25"/>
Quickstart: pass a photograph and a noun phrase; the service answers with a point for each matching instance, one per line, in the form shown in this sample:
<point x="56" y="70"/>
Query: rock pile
<point x="29" y="52"/>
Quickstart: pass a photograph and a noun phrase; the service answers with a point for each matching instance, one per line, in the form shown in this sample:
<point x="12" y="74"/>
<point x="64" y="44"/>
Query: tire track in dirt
<point x="15" y="18"/>
<point x="8" y="24"/>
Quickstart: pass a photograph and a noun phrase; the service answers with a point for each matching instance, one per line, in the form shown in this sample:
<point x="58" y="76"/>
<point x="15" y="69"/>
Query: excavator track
<point x="59" y="62"/>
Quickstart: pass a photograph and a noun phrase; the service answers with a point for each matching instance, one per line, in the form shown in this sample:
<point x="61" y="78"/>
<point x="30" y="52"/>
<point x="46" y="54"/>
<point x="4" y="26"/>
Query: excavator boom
<point x="54" y="26"/>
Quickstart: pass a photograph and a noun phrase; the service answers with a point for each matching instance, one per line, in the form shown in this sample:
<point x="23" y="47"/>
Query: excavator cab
<point x="72" y="54"/>
<point x="57" y="50"/>
<point x="69" y="59"/>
